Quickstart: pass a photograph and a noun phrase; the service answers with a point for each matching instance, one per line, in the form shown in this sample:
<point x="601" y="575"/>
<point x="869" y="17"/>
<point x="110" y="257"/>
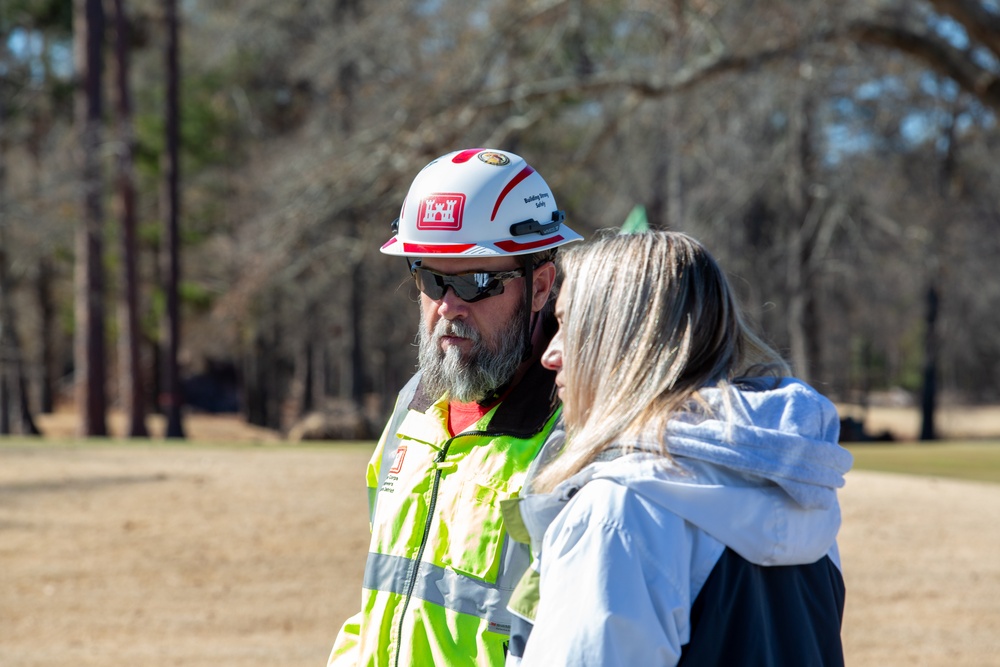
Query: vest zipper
<point x="415" y="568"/>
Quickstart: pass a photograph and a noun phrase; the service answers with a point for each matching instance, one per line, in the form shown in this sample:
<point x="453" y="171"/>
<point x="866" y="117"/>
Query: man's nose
<point x="449" y="306"/>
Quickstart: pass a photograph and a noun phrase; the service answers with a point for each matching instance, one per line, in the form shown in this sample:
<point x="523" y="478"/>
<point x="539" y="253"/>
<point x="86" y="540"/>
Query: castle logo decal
<point x="442" y="210"/>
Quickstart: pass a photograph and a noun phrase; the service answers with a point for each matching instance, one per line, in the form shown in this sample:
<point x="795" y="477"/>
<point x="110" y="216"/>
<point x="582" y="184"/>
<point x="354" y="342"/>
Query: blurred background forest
<point x="193" y="193"/>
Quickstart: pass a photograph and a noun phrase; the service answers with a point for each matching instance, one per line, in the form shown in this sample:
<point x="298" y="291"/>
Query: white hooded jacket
<point x="624" y="549"/>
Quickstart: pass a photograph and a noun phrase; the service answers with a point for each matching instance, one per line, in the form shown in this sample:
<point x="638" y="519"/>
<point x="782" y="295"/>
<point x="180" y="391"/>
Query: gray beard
<point x="489" y="365"/>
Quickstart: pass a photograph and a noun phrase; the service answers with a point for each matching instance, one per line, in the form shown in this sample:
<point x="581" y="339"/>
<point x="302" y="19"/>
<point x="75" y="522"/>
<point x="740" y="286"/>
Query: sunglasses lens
<point x="469" y="287"/>
<point x="475" y="286"/>
<point x="429" y="283"/>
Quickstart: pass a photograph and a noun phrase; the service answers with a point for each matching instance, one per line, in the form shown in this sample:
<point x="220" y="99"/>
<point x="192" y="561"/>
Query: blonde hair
<point x="648" y="319"/>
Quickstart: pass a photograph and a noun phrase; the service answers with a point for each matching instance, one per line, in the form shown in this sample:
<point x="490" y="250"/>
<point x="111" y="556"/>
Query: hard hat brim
<point x="498" y="248"/>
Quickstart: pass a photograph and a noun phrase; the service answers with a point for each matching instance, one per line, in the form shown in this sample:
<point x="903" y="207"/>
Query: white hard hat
<point x="478" y="202"/>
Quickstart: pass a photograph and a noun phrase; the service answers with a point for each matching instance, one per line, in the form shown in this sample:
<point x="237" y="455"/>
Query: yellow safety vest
<point x="440" y="567"/>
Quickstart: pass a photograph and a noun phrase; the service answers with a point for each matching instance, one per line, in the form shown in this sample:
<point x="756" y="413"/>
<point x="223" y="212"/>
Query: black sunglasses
<point x="470" y="287"/>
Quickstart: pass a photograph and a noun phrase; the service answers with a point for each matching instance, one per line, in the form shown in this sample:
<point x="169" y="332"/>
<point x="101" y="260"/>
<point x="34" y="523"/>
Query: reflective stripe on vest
<point x="440" y="586"/>
<point x="440" y="566"/>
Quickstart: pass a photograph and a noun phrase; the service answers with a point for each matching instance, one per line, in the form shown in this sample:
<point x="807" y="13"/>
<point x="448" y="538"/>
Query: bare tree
<point x="932" y="336"/>
<point x="816" y="189"/>
<point x="130" y="367"/>
<point x="47" y="320"/>
<point x="12" y="381"/>
<point x="911" y="32"/>
<point x="171" y="204"/>
<point x="616" y="104"/>
<point x="804" y="254"/>
<point x="89" y="352"/>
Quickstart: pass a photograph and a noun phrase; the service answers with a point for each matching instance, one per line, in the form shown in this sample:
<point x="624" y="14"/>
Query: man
<point x="479" y="229"/>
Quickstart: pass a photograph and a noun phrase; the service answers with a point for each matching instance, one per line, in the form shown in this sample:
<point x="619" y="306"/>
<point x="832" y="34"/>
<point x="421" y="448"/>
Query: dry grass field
<point x="212" y="554"/>
<point x="171" y="555"/>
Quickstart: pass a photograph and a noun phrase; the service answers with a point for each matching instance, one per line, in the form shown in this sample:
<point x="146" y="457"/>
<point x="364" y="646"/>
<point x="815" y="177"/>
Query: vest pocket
<point x="474" y="528"/>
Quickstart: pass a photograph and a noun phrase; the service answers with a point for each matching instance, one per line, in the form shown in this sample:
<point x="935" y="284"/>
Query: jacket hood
<point x="786" y="434"/>
<point x="757" y="467"/>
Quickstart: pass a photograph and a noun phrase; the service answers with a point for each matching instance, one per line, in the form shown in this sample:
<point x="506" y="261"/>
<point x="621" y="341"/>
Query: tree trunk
<point x="263" y="384"/>
<point x="14" y="389"/>
<point x="4" y="395"/>
<point x="808" y="212"/>
<point x="6" y="352"/>
<point x="25" y="421"/>
<point x="798" y="349"/>
<point x="929" y="396"/>
<point x="47" y="356"/>
<point x="171" y="201"/>
<point x="255" y="395"/>
<point x="357" y="343"/>
<point x="45" y="373"/>
<point x="300" y="393"/>
<point x="11" y="360"/>
<point x="89" y="352"/>
<point x="946" y="187"/>
<point x="320" y="373"/>
<point x="4" y="405"/>
<point x="273" y="376"/>
<point x="157" y="394"/>
<point x="130" y="359"/>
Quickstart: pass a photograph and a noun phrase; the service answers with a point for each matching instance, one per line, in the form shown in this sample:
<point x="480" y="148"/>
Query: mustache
<point x="456" y="328"/>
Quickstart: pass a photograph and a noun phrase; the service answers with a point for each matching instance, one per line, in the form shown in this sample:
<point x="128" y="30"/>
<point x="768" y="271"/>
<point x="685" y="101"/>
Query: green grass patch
<point x="978" y="460"/>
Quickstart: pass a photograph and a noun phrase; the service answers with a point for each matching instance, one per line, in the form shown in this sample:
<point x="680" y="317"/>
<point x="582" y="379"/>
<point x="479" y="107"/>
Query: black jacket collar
<point x="529" y="404"/>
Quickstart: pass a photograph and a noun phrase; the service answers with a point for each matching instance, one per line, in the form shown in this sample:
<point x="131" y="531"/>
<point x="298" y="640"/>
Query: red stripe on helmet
<point x="425" y="249"/>
<point x="389" y="242"/>
<point x="514" y="246"/>
<point x="527" y="171"/>
<point x="465" y="155"/>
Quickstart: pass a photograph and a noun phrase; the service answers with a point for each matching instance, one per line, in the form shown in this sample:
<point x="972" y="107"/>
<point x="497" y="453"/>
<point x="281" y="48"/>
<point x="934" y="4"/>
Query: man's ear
<point x="543" y="278"/>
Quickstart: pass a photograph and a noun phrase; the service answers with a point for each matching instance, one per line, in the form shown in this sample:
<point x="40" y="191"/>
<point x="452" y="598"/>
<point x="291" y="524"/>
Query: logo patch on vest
<point x="502" y="628"/>
<point x="397" y="463"/>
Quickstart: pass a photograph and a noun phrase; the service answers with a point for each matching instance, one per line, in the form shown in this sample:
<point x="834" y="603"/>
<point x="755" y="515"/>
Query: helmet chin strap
<point x="528" y="264"/>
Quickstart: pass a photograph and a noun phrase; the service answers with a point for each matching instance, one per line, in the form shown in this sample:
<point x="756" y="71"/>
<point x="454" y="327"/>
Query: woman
<point x="691" y="515"/>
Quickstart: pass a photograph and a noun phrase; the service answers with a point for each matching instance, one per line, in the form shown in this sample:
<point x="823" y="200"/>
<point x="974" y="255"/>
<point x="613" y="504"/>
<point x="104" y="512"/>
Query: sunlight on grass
<point x="973" y="460"/>
<point x="978" y="460"/>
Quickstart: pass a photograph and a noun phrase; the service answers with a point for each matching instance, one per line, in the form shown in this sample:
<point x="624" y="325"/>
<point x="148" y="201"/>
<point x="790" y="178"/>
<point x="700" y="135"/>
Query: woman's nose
<point x="552" y="357"/>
